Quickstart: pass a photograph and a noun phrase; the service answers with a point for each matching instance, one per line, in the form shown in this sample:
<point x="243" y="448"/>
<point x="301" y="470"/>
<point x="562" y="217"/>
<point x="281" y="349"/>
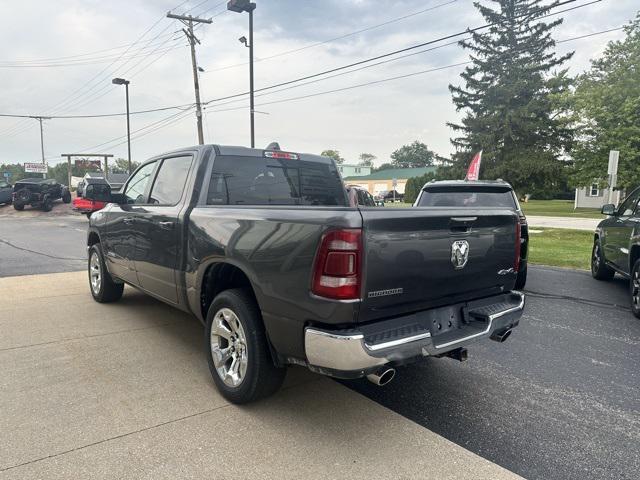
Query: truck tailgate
<point x="408" y="263"/>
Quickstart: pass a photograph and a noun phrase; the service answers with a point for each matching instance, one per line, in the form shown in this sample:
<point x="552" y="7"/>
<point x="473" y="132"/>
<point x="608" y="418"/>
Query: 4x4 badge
<point x="459" y="254"/>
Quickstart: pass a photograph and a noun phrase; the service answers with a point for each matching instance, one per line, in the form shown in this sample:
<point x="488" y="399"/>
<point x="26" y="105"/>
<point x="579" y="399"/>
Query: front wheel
<point x="237" y="350"/>
<point x="599" y="269"/>
<point x="635" y="289"/>
<point x="47" y="205"/>
<point x="66" y="197"/>
<point x="103" y="288"/>
<point x="18" y="206"/>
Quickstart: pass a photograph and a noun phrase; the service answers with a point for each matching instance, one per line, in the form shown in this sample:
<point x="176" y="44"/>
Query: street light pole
<point x="240" y="6"/>
<point x="122" y="81"/>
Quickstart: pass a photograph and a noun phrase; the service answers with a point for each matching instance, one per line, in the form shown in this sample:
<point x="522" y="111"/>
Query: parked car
<point x="6" y="191"/>
<point x="96" y="194"/>
<point x="39" y="193"/>
<point x="616" y="246"/>
<point x="492" y="194"/>
<point x="390" y="196"/>
<point x="263" y="248"/>
<point x="360" y="196"/>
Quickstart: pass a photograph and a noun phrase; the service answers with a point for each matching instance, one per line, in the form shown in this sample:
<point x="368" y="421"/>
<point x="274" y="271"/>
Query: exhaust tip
<point x="382" y="377"/>
<point x="501" y="336"/>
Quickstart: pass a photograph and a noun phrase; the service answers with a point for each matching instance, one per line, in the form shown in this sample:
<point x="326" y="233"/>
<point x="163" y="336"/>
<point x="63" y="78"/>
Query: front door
<point x="158" y="228"/>
<point x="618" y="232"/>
<point x="119" y="241"/>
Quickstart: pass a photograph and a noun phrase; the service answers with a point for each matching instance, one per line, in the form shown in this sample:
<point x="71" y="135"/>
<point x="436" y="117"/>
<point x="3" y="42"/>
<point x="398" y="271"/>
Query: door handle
<point x="128" y="220"/>
<point x="166" y="225"/>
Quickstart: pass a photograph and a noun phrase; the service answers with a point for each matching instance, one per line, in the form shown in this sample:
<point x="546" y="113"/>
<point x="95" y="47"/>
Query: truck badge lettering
<point x="384" y="293"/>
<point x="459" y="254"/>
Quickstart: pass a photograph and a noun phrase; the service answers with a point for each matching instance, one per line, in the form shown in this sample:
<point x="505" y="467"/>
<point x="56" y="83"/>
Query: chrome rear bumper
<point x="352" y="352"/>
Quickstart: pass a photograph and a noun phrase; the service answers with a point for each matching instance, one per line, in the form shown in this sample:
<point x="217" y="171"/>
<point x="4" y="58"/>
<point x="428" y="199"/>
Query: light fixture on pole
<point x="240" y="6"/>
<point x="122" y="81"/>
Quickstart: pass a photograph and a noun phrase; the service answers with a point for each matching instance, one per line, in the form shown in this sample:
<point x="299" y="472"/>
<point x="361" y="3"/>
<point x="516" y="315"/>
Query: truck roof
<point x="467" y="183"/>
<point x="32" y="180"/>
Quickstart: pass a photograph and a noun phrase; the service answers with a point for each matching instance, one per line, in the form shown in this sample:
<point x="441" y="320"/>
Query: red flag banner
<point x="474" y="167"/>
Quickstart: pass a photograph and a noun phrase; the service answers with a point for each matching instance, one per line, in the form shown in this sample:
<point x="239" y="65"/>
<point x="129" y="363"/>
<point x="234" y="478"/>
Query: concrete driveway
<point x="123" y="391"/>
<point x="564" y="222"/>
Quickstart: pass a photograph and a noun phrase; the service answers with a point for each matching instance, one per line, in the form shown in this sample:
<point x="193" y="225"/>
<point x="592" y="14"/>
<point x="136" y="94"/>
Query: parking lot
<point x="123" y="390"/>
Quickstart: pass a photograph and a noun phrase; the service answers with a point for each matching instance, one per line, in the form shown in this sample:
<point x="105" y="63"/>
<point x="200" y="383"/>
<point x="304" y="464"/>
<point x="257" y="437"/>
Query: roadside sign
<point x="88" y="164"/>
<point x="7" y="175"/>
<point x="35" y="168"/>
<point x="614" y="155"/>
<point x="394" y="182"/>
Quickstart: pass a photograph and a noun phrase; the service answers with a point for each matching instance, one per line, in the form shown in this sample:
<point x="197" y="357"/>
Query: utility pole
<point x="188" y="21"/>
<point x="40" y="119"/>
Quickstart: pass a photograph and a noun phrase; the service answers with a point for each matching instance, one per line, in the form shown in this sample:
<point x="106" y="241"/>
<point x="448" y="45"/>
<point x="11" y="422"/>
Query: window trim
<point x="597" y="189"/>
<point x="155" y="177"/>
<point x="147" y="189"/>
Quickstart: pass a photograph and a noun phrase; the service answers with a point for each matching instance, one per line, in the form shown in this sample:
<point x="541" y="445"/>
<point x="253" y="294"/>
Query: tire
<point x="103" y="288"/>
<point x="23" y="195"/>
<point x="599" y="269"/>
<point x="634" y="287"/>
<point x="238" y="333"/>
<point x="66" y="197"/>
<point x="47" y="205"/>
<point x="521" y="280"/>
<point x="18" y="206"/>
<point x="88" y="214"/>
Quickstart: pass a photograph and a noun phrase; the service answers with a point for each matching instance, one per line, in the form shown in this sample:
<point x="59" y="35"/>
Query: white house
<point x="595" y="197"/>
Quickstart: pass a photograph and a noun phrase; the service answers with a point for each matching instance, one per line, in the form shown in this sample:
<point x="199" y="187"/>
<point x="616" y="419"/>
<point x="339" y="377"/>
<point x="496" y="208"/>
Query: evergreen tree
<point x="515" y="103"/>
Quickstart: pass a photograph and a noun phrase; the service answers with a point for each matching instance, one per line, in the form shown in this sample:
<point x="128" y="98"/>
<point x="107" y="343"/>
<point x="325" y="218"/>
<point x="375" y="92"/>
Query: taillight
<point x="336" y="273"/>
<point x="516" y="262"/>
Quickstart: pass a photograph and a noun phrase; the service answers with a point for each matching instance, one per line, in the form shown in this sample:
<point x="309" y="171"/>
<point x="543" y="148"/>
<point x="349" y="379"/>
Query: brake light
<point x="277" y="154"/>
<point x="336" y="273"/>
<point x="516" y="262"/>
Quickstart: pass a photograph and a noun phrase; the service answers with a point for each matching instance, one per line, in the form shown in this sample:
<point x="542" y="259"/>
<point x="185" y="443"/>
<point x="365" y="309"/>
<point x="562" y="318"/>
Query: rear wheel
<point x="599" y="269"/>
<point x="635" y="289"/>
<point x="103" y="288"/>
<point x="237" y="350"/>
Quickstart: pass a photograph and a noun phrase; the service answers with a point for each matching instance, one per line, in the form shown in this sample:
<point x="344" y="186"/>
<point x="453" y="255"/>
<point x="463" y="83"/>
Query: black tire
<point x="521" y="280"/>
<point x="23" y="195"/>
<point x="88" y="214"/>
<point x="18" y="206"/>
<point x="261" y="377"/>
<point x="106" y="290"/>
<point x="634" y="287"/>
<point x="47" y="205"/>
<point x="599" y="269"/>
<point x="66" y="197"/>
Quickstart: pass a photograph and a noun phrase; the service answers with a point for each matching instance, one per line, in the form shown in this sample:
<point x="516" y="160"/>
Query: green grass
<point x="560" y="247"/>
<point x="558" y="208"/>
<point x="397" y="205"/>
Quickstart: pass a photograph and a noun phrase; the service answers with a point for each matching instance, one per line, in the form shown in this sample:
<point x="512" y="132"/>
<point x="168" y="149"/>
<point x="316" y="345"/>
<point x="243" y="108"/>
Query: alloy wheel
<point x="229" y="347"/>
<point x="635" y="289"/>
<point x="95" y="273"/>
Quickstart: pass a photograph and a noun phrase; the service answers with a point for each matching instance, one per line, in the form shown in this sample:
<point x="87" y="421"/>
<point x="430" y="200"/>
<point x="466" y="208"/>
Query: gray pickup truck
<point x="264" y="249"/>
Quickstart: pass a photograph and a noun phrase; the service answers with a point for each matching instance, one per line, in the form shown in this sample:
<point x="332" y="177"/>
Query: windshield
<point x="468" y="197"/>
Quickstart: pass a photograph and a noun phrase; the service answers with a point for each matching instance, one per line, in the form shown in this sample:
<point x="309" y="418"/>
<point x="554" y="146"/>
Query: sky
<point x="58" y="58"/>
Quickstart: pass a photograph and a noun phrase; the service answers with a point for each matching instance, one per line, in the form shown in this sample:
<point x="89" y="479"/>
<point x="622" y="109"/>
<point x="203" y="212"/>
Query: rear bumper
<point x="356" y="352"/>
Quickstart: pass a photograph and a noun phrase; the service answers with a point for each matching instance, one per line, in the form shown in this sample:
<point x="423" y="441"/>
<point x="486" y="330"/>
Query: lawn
<point x="560" y="247"/>
<point x="558" y="208"/>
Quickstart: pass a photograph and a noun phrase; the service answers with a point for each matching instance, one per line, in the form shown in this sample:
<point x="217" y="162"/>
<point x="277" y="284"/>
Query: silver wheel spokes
<point x="95" y="273"/>
<point x="229" y="347"/>
<point x="596" y="257"/>
<point x="635" y="294"/>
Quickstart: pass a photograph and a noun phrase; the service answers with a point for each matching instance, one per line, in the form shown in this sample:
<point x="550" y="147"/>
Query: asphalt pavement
<point x="560" y="399"/>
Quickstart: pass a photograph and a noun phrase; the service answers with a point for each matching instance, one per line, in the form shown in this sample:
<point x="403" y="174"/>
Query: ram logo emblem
<point x="459" y="254"/>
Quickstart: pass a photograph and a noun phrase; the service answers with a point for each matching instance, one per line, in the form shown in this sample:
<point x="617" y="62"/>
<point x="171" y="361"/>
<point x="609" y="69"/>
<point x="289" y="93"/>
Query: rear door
<point x="158" y="231"/>
<point x="618" y="233"/>
<point x="120" y="237"/>
<point x="421" y="258"/>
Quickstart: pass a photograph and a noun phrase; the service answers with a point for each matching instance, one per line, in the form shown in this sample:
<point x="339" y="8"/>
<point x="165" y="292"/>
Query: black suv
<point x="480" y="194"/>
<point x="616" y="246"/>
<point x="39" y="193"/>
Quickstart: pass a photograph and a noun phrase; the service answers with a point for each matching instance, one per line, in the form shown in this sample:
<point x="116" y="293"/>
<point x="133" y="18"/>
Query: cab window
<point x="137" y="185"/>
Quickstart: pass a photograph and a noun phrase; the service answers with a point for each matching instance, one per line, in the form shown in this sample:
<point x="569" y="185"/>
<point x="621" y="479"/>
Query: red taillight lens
<point x="516" y="262"/>
<point x="337" y="269"/>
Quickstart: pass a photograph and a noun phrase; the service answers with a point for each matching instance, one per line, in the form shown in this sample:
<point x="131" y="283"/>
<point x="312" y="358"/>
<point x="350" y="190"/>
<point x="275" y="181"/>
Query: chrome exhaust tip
<point x="382" y="376"/>
<point x="501" y="336"/>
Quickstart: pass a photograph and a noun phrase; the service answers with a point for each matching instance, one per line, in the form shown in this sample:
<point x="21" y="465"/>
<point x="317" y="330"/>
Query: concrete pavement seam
<point x="41" y="253"/>
<point x="145" y="429"/>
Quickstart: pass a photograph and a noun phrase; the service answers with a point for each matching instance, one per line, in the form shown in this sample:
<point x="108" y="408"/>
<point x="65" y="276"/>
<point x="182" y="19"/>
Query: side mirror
<point x="609" y="209"/>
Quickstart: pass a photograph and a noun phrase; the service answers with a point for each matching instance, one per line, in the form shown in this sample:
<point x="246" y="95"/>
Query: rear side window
<point x="471" y="198"/>
<point x="169" y="183"/>
<point x="269" y="181"/>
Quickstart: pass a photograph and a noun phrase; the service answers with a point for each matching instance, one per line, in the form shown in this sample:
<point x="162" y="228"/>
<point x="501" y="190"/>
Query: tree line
<point x="539" y="128"/>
